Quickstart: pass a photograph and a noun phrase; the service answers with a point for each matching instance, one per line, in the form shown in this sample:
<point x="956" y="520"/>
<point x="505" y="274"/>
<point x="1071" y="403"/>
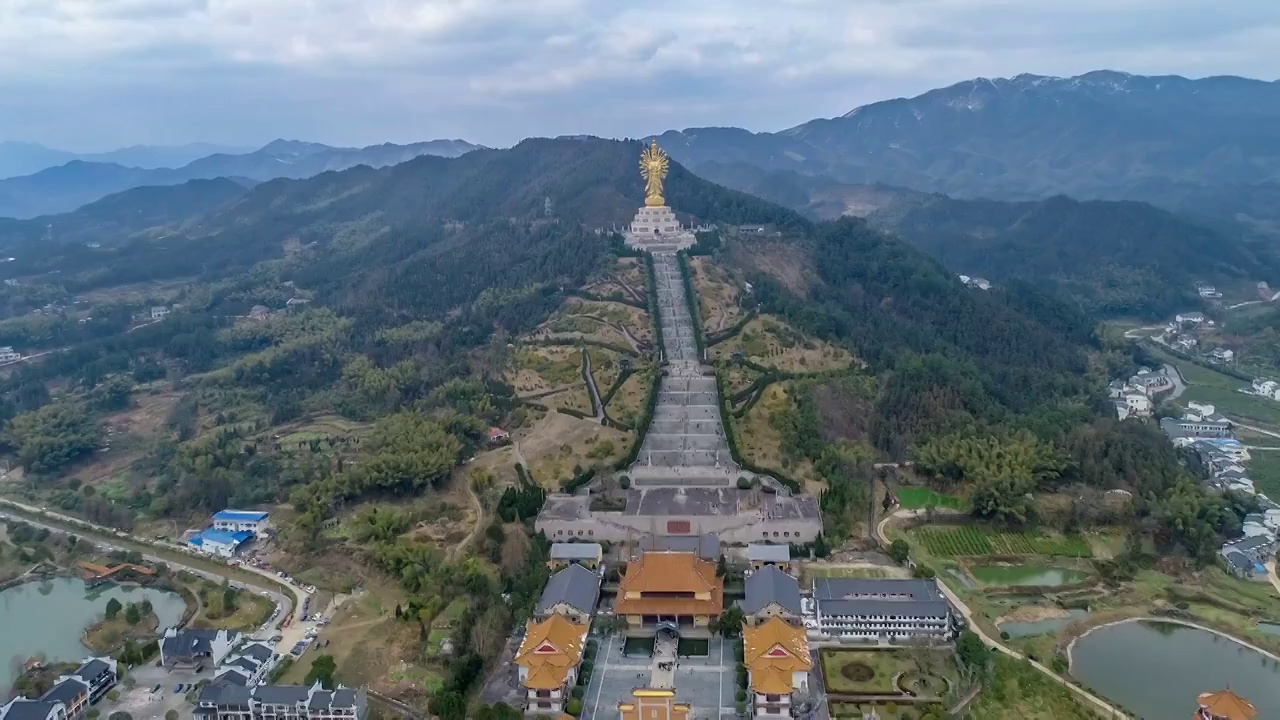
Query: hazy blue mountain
<point x="1103" y="135"/>
<point x="23" y="158"/>
<point x="66" y="187"/>
<point x="150" y="211"/>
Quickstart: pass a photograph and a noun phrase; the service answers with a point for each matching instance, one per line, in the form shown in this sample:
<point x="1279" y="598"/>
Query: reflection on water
<point x="1158" y="669"/>
<point x="49" y="616"/>
<point x="1041" y="627"/>
<point x="1027" y="575"/>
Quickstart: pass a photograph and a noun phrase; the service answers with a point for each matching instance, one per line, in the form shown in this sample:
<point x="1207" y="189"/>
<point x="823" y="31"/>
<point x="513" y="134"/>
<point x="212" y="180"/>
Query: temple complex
<point x="548" y="660"/>
<point x="677" y="591"/>
<point x="776" y="654"/>
<point x="1224" y="705"/>
<point x="653" y="704"/>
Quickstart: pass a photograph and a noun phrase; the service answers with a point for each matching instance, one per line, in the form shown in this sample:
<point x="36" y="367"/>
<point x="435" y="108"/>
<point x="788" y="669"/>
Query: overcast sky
<point x="97" y="74"/>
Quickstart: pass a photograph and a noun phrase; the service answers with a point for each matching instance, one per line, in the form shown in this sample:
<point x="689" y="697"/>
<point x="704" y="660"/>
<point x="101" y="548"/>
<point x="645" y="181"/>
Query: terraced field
<point x="971" y="541"/>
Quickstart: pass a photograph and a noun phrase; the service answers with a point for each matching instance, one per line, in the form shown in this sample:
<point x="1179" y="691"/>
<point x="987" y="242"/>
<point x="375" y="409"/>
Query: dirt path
<point x="471" y="536"/>
<point x="591" y="386"/>
<point x="1260" y="431"/>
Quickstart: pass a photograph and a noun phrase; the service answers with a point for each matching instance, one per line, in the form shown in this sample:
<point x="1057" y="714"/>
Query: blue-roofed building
<point x="240" y="520"/>
<point x="222" y="543"/>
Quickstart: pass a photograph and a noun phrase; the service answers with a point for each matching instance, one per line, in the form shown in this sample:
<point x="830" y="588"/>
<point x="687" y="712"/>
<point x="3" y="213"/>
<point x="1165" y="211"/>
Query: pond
<point x="49" y="616"/>
<point x="1042" y="576"/>
<point x="1269" y="627"/>
<point x="1158" y="669"/>
<point x="1041" y="627"/>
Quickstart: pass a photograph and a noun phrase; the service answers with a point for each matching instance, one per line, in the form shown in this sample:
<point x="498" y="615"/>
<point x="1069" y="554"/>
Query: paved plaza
<point x="707" y="684"/>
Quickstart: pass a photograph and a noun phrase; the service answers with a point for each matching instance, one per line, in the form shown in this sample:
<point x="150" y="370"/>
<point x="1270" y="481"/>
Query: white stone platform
<point x="656" y="229"/>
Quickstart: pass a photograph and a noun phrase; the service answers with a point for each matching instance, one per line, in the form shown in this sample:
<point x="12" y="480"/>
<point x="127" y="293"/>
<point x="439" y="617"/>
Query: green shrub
<point x="573" y="707"/>
<point x="741" y="695"/>
<point x="577" y="692"/>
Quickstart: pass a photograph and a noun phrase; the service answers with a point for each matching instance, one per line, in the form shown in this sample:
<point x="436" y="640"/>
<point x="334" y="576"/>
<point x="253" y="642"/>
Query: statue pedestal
<point x="657" y="229"/>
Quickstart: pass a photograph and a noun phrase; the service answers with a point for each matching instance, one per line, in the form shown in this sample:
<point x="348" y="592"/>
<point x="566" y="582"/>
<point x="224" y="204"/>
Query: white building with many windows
<point x="886" y="610"/>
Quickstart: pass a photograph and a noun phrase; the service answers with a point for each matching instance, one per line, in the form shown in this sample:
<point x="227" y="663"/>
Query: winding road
<point x="1107" y="709"/>
<point x="287" y="610"/>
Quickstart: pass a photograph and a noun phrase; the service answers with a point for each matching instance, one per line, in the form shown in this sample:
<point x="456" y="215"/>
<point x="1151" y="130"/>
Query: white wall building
<point x="881" y="609"/>
<point x="241" y="520"/>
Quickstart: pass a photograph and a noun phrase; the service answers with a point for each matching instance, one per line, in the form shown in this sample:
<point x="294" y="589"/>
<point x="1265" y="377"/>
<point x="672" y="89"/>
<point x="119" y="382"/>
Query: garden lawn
<point x="917" y="498"/>
<point x="883" y="664"/>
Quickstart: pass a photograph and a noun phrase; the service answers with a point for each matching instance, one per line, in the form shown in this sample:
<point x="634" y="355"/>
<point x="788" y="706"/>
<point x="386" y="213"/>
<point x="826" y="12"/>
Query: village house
<point x="259" y="312"/>
<point x="78" y="691"/>
<point x="191" y="647"/>
<point x="219" y="543"/>
<point x="588" y="555"/>
<point x="1184" y="431"/>
<point x="771" y="593"/>
<point x="227" y="701"/>
<point x="496" y="436"/>
<point x="882" y="609"/>
<point x="573" y="592"/>
<point x="1186" y="344"/>
<point x="776" y="655"/>
<point x="548" y="659"/>
<point x="159" y="312"/>
<point x="1222" y="355"/>
<point x="23" y="709"/>
<point x="676" y="591"/>
<point x="1194" y="318"/>
<point x="249" y="665"/>
<point x="241" y="520"/>
<point x="1246" y="556"/>
<point x="1265" y="388"/>
<point x="8" y="355"/>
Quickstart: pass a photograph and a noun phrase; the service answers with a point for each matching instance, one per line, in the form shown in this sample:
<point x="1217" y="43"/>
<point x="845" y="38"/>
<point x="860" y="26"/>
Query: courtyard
<point x="706" y="683"/>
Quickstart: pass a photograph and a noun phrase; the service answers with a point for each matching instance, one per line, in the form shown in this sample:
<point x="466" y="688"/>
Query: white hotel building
<point x="877" y="610"/>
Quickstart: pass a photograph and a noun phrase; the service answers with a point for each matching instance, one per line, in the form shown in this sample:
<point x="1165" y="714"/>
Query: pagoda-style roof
<point x="1227" y="705"/>
<point x="773" y="651"/>
<point x="550" y="649"/>
<point x="670" y="572"/>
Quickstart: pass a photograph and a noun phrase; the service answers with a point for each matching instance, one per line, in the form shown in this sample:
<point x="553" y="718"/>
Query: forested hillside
<point x="1115" y="258"/>
<point x="980" y="372"/>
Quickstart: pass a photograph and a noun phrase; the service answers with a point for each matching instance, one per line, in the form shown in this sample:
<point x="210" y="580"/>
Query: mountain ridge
<point x="66" y="187"/>
<point x="1168" y="140"/>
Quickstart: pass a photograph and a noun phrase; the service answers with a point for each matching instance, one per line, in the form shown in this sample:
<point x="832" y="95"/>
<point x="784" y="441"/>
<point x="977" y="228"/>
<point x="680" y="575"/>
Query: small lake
<point x="49" y="616"/>
<point x="1158" y="669"/>
<point x="1010" y="575"/>
<point x="1041" y="627"/>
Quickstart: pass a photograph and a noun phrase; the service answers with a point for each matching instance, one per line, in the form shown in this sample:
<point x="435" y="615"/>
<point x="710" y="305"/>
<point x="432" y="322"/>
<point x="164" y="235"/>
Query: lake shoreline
<point x="1170" y="621"/>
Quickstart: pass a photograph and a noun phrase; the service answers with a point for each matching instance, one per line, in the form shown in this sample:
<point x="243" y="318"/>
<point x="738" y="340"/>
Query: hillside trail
<point x="590" y="378"/>
<point x="480" y="520"/>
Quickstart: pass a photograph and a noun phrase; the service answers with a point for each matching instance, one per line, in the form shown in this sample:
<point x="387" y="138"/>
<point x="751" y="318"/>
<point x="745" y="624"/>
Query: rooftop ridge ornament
<point x="653" y="166"/>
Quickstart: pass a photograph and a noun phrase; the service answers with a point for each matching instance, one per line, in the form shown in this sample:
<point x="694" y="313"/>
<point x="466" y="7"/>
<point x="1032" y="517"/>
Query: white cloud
<point x="497" y="70"/>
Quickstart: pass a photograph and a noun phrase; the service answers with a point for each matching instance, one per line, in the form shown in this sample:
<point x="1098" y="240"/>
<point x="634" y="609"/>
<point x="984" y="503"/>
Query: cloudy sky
<point x="96" y="74"/>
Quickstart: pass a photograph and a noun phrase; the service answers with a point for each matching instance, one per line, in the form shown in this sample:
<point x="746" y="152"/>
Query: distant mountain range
<point x="1209" y="146"/>
<point x="22" y="158"/>
<point x="66" y="187"/>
